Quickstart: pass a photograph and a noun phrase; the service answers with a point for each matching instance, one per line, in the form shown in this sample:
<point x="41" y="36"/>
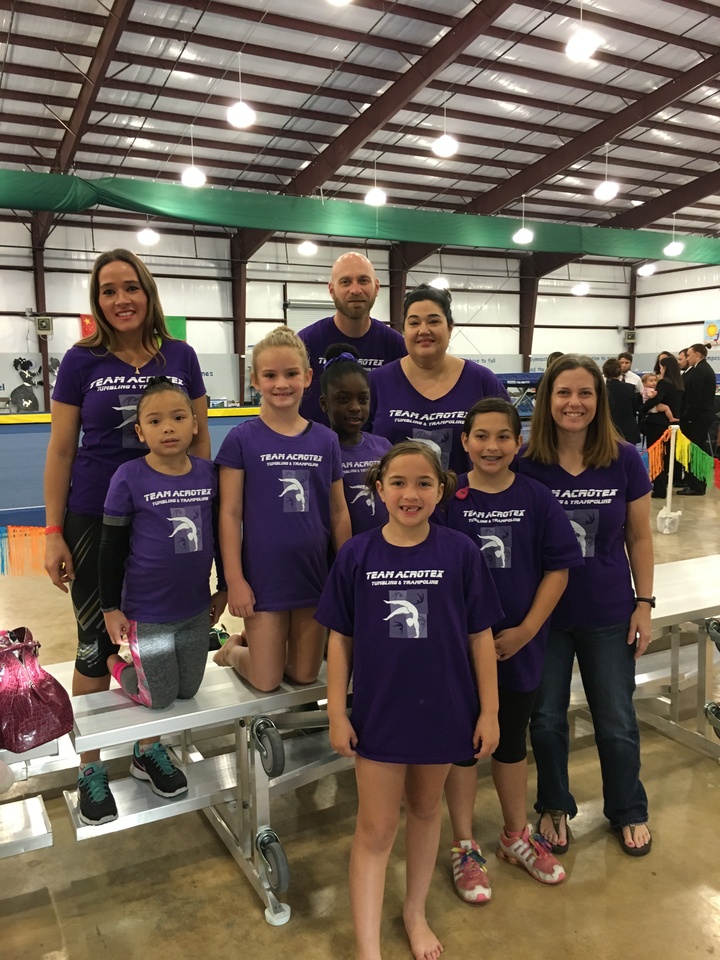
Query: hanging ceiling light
<point x="523" y="235"/>
<point x="339" y="3"/>
<point x="580" y="290"/>
<point x="445" y="146"/>
<point x="646" y="270"/>
<point x="583" y="43"/>
<point x="375" y="197"/>
<point x="240" y="114"/>
<point x="675" y="247"/>
<point x="307" y="248"/>
<point x="147" y="236"/>
<point x="608" y="189"/>
<point x="440" y="283"/>
<point x="192" y="176"/>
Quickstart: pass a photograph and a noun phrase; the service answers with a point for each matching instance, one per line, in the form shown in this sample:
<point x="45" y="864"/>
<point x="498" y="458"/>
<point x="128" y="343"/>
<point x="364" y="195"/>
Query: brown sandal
<point x="556" y="816"/>
<point x="633" y="851"/>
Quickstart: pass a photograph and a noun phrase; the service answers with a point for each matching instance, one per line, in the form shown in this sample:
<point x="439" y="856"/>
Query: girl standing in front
<point x="409" y="607"/>
<point x="528" y="545"/>
<point x="345" y="398"/>
<point x="156" y="551"/>
<point x="281" y="504"/>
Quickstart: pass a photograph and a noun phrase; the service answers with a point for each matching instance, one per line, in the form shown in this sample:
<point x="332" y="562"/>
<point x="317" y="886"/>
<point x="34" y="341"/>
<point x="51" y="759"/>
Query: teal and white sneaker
<point x="155" y="766"/>
<point x="96" y="803"/>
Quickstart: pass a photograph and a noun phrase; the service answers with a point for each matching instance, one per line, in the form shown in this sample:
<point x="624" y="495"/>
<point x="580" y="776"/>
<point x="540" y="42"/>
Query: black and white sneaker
<point x="155" y="765"/>
<point x="96" y="802"/>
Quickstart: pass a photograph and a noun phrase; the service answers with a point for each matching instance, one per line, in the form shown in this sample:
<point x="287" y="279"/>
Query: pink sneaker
<point x="469" y="872"/>
<point x="533" y="852"/>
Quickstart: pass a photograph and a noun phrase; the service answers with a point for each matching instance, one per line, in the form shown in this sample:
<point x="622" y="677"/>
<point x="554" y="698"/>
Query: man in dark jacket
<point x="698" y="409"/>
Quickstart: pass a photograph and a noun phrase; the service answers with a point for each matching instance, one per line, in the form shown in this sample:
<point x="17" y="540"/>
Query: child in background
<point x="528" y="545"/>
<point x="281" y="505"/>
<point x="409" y="607"/>
<point x="649" y="382"/>
<point x="345" y="398"/>
<point x="156" y="553"/>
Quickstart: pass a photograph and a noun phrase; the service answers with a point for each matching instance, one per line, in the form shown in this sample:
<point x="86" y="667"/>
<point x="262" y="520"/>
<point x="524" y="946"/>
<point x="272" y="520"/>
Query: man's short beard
<point x="343" y="308"/>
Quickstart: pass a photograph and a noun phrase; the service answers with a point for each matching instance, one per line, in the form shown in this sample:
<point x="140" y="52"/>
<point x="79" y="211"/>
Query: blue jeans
<point x="607" y="668"/>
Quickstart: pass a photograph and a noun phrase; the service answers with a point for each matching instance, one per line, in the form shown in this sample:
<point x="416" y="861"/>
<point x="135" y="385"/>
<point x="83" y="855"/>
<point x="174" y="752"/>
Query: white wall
<point x="193" y="276"/>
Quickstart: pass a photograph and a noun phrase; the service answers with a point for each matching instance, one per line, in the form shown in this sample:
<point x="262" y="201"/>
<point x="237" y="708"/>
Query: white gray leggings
<point x="168" y="661"/>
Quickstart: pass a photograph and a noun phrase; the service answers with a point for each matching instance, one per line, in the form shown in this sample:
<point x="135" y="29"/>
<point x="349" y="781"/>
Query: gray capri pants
<point x="168" y="661"/>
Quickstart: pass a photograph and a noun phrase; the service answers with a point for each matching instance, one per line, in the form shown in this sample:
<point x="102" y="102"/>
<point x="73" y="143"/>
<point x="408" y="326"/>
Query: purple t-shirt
<point x="366" y="508"/>
<point x="521" y="532"/>
<point x="286" y="510"/>
<point x="106" y="389"/>
<point x="167" y="573"/>
<point x="409" y="611"/>
<point x="399" y="412"/>
<point x="378" y="346"/>
<point x="600" y="593"/>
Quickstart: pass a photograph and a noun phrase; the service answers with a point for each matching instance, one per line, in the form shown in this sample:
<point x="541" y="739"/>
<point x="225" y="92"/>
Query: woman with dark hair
<point x="658" y="358"/>
<point x="97" y="389"/>
<point x="603" y="618"/>
<point x="669" y="395"/>
<point x="426" y="395"/>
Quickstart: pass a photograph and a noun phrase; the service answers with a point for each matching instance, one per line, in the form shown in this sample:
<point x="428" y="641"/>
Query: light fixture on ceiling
<point x="646" y="270"/>
<point x="192" y="176"/>
<point x="375" y="197"/>
<point x="580" y="289"/>
<point x="583" y="43"/>
<point x="147" y="236"/>
<point x="445" y="146"/>
<point x="339" y="3"/>
<point x="675" y="247"/>
<point x="440" y="283"/>
<point x="307" y="248"/>
<point x="523" y="235"/>
<point x="240" y="114"/>
<point x="608" y="189"/>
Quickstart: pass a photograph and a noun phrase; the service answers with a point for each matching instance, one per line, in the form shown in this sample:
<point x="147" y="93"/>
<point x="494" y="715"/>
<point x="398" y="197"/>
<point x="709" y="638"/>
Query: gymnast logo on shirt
<point x="496" y="547"/>
<point x="295" y="490"/>
<point x="408" y="612"/>
<point x="186" y="529"/>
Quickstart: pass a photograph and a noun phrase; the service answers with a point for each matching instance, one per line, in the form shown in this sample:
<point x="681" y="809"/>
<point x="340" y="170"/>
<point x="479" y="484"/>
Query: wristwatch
<point x="650" y="600"/>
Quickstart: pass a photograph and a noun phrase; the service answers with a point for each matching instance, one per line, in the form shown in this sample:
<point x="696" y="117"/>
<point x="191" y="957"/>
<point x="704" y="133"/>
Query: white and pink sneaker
<point x="533" y="852"/>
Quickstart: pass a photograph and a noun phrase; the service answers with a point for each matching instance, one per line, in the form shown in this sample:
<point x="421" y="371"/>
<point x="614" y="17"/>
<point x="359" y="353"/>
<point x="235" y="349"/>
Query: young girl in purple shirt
<point x="156" y="552"/>
<point x="527" y="543"/>
<point x="345" y="398"/>
<point x="409" y="607"/>
<point x="281" y="505"/>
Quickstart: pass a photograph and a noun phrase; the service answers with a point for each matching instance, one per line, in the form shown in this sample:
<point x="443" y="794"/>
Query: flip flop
<point x="556" y="816"/>
<point x="633" y="851"/>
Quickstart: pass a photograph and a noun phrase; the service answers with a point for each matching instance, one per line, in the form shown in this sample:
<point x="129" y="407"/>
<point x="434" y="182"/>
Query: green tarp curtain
<point x="21" y="190"/>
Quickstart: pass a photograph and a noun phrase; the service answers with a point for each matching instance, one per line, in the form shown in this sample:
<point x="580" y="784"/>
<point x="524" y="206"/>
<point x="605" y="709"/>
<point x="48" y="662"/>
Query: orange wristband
<point x="49" y="530"/>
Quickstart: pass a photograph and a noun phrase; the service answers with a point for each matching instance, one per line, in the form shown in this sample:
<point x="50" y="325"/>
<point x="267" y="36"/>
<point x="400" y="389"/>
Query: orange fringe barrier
<point x="23" y="552"/>
<point x="656" y="455"/>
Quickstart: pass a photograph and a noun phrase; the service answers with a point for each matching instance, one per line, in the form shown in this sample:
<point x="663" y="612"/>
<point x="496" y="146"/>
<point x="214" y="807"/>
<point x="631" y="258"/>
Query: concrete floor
<point x="171" y="890"/>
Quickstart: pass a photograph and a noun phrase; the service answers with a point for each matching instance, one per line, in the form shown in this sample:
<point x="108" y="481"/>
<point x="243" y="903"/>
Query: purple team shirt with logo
<point x="167" y="573"/>
<point x="600" y="593"/>
<point x="378" y="346"/>
<point x="366" y="508"/>
<point x="286" y="510"/>
<point x="399" y="412"/>
<point x="521" y="533"/>
<point x="106" y="389"/>
<point x="409" y="611"/>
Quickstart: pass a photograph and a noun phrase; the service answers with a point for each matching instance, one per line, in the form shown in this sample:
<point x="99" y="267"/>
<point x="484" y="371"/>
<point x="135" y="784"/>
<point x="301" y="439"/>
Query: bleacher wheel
<point x="712" y="712"/>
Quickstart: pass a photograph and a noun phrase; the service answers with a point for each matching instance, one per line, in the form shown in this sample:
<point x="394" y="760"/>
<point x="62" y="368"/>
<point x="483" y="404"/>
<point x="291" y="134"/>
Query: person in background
<point x="624" y="402"/>
<point x="683" y="362"/>
<point x="603" y="618"/>
<point x="353" y="287"/>
<point x="649" y="385"/>
<point x="626" y="374"/>
<point x="98" y="386"/>
<point x="426" y="395"/>
<point x="698" y="410"/>
<point x="660" y="410"/>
